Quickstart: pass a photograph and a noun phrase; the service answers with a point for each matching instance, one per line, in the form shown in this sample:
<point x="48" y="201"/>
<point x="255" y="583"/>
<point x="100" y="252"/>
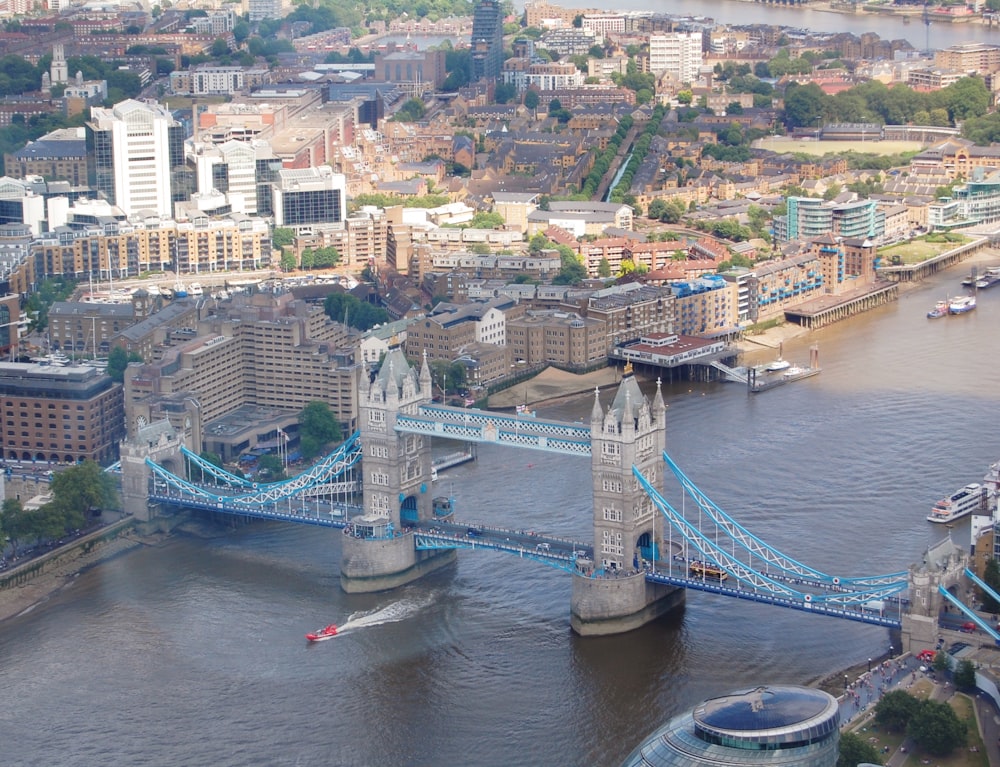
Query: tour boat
<point x="989" y="279"/>
<point x="959" y="504"/>
<point x="327" y="632"/>
<point x="940" y="310"/>
<point x="961" y="304"/>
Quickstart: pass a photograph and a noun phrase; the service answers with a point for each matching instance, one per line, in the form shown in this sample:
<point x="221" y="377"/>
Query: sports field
<point x="817" y="147"/>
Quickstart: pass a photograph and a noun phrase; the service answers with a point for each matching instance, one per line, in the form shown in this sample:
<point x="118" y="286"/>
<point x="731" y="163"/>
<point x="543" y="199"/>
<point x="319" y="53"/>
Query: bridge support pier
<point x="369" y="565"/>
<point x="604" y="606"/>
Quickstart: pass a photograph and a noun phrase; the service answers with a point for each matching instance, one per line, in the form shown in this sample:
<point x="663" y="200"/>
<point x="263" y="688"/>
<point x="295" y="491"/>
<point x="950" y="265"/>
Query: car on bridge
<point x="543" y="547"/>
<point x="968" y="628"/>
<point x="473" y="532"/>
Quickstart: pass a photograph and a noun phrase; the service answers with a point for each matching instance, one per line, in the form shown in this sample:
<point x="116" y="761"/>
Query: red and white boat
<point x="327" y="632"/>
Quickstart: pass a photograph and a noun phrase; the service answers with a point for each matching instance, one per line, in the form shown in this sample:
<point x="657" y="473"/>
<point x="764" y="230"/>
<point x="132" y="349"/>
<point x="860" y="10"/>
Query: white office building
<point x="136" y="145"/>
<point x="676" y="53"/>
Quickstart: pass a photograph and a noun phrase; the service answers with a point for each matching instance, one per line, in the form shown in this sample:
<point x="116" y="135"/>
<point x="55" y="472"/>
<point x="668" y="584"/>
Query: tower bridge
<point x="644" y="555"/>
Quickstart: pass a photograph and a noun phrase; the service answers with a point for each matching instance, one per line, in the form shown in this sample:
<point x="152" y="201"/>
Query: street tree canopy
<point x="318" y="427"/>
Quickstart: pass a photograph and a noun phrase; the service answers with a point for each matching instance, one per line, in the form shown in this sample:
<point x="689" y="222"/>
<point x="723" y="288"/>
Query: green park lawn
<point x="920" y="249"/>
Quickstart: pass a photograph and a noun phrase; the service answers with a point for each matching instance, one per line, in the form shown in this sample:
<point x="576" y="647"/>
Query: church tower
<point x="59" y="70"/>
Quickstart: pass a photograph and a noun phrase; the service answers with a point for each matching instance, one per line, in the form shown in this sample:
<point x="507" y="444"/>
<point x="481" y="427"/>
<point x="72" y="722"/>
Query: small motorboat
<point x="778" y="365"/>
<point x="327" y="632"/>
<point x="940" y="310"/>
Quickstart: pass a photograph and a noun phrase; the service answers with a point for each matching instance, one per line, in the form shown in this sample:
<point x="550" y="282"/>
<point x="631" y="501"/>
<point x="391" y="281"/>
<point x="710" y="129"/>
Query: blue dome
<point x="760" y="708"/>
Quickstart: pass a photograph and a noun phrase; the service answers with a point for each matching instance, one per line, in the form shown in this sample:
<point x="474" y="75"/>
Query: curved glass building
<point x="773" y="725"/>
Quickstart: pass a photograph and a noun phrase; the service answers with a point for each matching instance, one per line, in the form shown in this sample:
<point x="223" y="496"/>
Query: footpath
<point x="857" y="707"/>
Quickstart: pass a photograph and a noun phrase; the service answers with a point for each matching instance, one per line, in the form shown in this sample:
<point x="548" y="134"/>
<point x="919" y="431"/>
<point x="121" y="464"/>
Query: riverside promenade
<point x="860" y="696"/>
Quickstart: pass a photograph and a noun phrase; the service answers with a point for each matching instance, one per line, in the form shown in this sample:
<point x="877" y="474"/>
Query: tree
<point x="803" y="105"/>
<point x="83" y="487"/>
<point x="271" y="467"/>
<point x="13" y="522"/>
<point x="343" y="307"/>
<point x="991" y="577"/>
<point x="604" y="268"/>
<point x="318" y="427"/>
<point x="936" y="728"/>
<point x="854" y="751"/>
<point x="282" y="237"/>
<point x="571" y="271"/>
<point x="895" y="710"/>
<point x="220" y="47"/>
<point x="411" y="111"/>
<point x="531" y="99"/>
<point x="965" y="675"/>
<point x="287" y="261"/>
<point x="118" y="360"/>
<point x="241" y="31"/>
<point x="504" y="92"/>
<point x="326" y="257"/>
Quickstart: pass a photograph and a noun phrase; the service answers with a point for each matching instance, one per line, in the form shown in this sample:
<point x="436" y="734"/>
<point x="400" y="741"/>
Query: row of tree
<point x="639" y="152"/>
<point x="875" y="102"/>
<point x="603" y="162"/>
<point x="76" y="492"/>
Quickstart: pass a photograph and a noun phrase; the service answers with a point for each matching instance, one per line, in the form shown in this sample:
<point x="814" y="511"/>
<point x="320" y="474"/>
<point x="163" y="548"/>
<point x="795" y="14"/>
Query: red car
<point x="968" y="627"/>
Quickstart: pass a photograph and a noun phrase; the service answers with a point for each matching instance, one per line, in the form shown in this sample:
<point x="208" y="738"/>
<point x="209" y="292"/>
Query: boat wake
<point x="393" y="613"/>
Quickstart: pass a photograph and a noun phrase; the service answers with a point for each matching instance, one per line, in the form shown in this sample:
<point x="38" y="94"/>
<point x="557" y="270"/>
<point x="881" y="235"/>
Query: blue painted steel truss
<point x="262" y="496"/>
<point x="784" y="586"/>
<point x="758" y="548"/>
<point x="470" y="425"/>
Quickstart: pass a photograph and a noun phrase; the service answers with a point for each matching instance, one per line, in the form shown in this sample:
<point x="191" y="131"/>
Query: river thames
<point x="737" y="12"/>
<point x="193" y="653"/>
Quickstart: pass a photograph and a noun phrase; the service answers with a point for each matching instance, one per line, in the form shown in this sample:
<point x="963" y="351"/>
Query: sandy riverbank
<point x="18" y="600"/>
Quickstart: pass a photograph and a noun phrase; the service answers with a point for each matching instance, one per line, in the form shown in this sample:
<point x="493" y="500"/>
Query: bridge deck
<point x="472" y="425"/>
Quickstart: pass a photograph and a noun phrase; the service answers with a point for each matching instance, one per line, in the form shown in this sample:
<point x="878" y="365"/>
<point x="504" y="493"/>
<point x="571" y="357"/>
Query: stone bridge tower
<point x="943" y="565"/>
<point x="627" y="526"/>
<point x="158" y="441"/>
<point x="379" y="554"/>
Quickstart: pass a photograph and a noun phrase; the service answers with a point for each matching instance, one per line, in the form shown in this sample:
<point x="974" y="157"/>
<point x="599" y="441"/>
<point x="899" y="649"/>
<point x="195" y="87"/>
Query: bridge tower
<point x="614" y="597"/>
<point x="379" y="553"/>
<point x="158" y="441"/>
<point x="943" y="565"/>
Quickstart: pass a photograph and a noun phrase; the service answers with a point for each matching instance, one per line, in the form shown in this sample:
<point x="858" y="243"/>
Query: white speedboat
<point x="777" y="366"/>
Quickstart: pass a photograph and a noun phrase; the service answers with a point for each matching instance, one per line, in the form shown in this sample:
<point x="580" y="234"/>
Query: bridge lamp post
<point x="869" y="665"/>
<point x="845" y="682"/>
<point x="890" y="652"/>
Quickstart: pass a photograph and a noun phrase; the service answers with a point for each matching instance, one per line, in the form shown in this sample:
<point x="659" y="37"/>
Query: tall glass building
<point x="764" y="726"/>
<point x="487" y="40"/>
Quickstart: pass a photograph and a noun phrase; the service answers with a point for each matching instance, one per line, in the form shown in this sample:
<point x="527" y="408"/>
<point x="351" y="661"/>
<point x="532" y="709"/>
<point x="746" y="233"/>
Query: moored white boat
<point x="961" y="304"/>
<point x="777" y="365"/>
<point x="959" y="504"/>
